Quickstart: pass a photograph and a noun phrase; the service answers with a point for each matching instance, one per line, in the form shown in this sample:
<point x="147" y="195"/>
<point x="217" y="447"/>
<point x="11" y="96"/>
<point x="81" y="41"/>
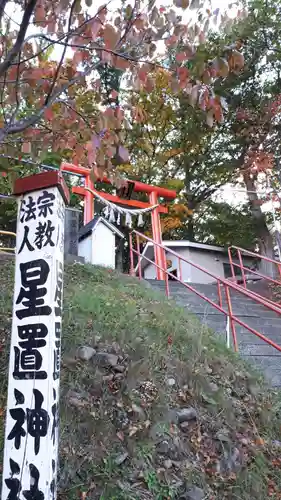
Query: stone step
<point x="245" y="310"/>
<point x="251" y="347"/>
<point x="208" y="290"/>
<point x="244" y="337"/>
<point x="242" y="306"/>
<point x="269" y="365"/>
<point x="262" y="350"/>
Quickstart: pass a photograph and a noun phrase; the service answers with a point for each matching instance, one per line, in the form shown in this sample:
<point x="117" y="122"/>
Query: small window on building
<point x="174" y="272"/>
<point x="227" y="270"/>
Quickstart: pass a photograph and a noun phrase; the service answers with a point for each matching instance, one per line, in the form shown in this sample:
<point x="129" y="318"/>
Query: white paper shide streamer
<point x="113" y="212"/>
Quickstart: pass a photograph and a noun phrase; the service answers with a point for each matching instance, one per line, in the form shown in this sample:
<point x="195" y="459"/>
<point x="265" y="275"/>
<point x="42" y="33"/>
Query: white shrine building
<point x="97" y="242"/>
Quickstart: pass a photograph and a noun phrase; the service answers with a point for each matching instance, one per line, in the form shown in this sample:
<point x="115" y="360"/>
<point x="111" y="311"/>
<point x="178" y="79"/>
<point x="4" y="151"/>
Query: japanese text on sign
<point x="32" y="410"/>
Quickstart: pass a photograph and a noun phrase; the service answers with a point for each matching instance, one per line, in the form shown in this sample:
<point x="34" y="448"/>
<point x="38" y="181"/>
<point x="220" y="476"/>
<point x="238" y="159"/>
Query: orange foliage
<point x="177" y="216"/>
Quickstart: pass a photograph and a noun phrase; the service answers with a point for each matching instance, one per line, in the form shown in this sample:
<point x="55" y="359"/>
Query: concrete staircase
<point x="252" y="348"/>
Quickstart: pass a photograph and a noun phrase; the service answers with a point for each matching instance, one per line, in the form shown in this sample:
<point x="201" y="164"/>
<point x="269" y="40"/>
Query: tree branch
<point x="16" y="90"/>
<point x="20" y="38"/>
<point x="59" y="41"/>
<point x="2" y="97"/>
<point x="63" y="54"/>
<point x="65" y="103"/>
<point x="32" y="120"/>
<point x="2" y="7"/>
<point x="128" y="27"/>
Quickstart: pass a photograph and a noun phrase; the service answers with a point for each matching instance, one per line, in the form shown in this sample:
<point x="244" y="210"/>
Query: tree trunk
<point x="190" y="229"/>
<point x="190" y="204"/>
<point x="265" y="240"/>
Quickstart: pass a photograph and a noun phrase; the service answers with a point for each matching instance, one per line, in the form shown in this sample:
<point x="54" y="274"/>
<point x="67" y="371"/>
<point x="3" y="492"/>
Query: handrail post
<point x="242" y="268"/>
<point x="139" y="259"/>
<point x="166" y="275"/>
<point x="227" y="333"/>
<point x="219" y="294"/>
<point x="180" y="271"/>
<point x="279" y="269"/>
<point x="132" y="272"/>
<point x="231" y="263"/>
<point x="230" y="315"/>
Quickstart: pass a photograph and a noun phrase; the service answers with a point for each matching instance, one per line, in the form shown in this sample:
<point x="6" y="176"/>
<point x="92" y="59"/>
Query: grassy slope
<point x="102" y="418"/>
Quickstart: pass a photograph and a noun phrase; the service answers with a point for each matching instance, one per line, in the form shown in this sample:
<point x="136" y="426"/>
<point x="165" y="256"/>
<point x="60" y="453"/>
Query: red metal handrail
<point x="7" y="249"/>
<point x="220" y="282"/>
<point x="240" y="251"/>
<point x="254" y="254"/>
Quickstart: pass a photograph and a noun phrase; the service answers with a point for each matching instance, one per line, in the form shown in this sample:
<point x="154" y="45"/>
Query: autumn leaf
<point x="95" y="28"/>
<point x="236" y="60"/>
<point x="193" y="98"/>
<point x="52" y="25"/>
<point x="220" y="67"/>
<point x="124" y="154"/>
<point x="106" y="56"/>
<point x="111" y="36"/>
<point x="120" y="63"/>
<point x="180" y="57"/>
<point x="181" y="3"/>
<point x="40" y="14"/>
<point x="194" y="4"/>
<point x="210" y="118"/>
<point x="218" y="115"/>
<point x="26" y="147"/>
<point x="120" y="435"/>
<point x="114" y="94"/>
<point x="223" y="67"/>
<point x="133" y="429"/>
<point x="48" y="114"/>
<point x="202" y="36"/>
<point x="172" y="40"/>
<point x="260" y="441"/>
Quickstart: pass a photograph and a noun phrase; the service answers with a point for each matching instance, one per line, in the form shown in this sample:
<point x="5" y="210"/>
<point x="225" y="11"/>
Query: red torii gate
<point x="154" y="192"/>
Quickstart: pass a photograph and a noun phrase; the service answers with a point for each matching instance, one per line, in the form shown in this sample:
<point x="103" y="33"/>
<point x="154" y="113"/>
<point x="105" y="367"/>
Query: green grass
<point x="136" y="322"/>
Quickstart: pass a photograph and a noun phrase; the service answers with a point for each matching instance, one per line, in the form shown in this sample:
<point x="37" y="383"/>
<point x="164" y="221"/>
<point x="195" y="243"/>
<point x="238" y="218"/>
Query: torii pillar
<point x="159" y="253"/>
<point x="89" y="201"/>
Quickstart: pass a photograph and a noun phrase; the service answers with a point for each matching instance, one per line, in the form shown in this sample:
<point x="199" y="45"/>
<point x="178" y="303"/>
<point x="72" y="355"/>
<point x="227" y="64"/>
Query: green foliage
<point x="214" y="223"/>
<point x="225" y="225"/>
<point x="244" y="146"/>
<point x="110" y="81"/>
<point x="173" y="146"/>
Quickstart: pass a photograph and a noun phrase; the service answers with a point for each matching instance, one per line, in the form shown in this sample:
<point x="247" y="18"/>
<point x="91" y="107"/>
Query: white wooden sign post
<point x="31" y="438"/>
